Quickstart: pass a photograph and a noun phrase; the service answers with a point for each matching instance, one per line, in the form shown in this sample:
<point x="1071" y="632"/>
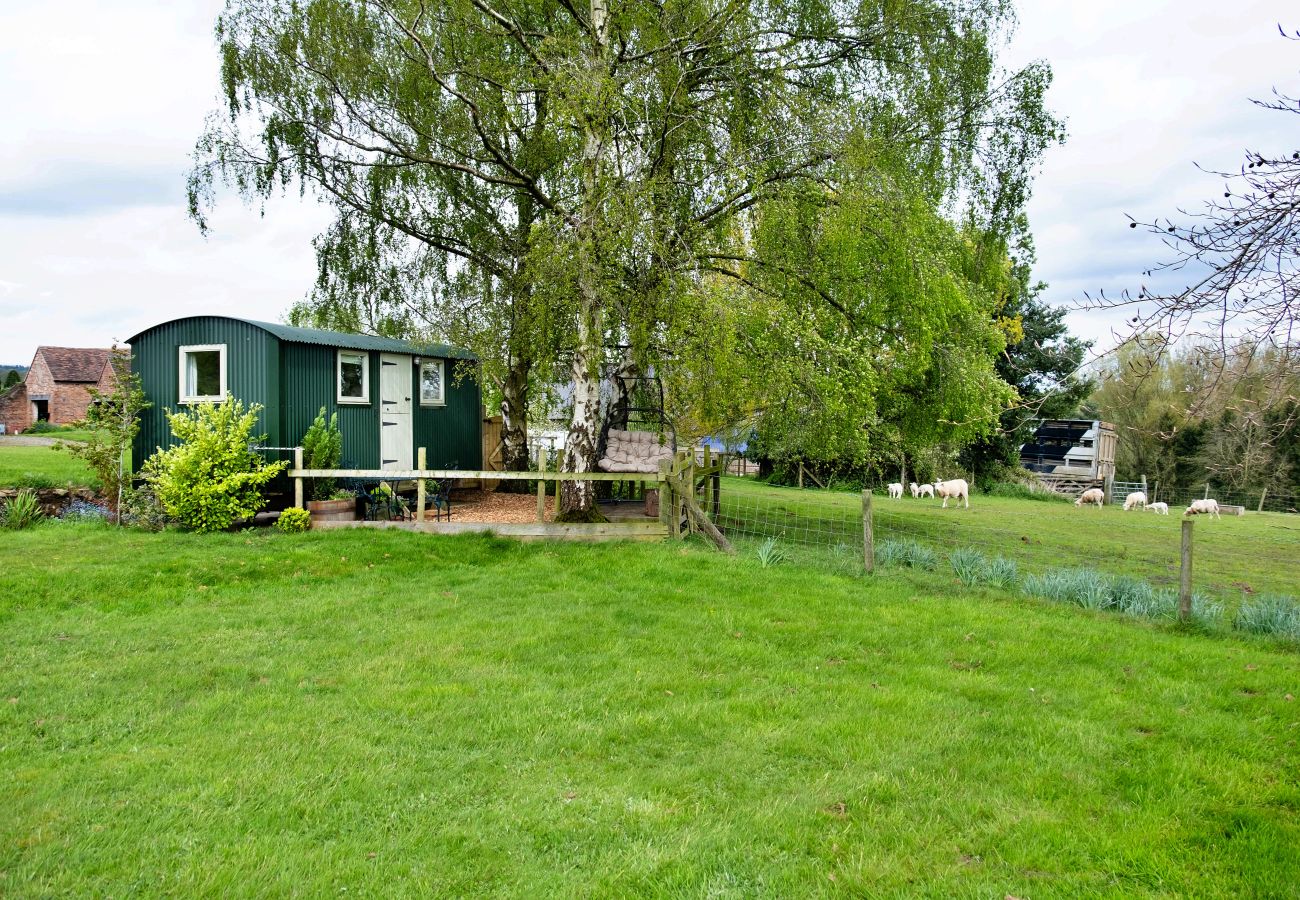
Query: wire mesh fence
<point x="1232" y="556"/>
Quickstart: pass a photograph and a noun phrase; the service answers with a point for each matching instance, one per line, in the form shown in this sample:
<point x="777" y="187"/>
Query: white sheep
<point x="957" y="489"/>
<point x="1137" y="498"/>
<point x="1092" y="495"/>
<point x="895" y="491"/>
<point x="925" y="490"/>
<point x="915" y="489"/>
<point x="1160" y="509"/>
<point x="1209" y="507"/>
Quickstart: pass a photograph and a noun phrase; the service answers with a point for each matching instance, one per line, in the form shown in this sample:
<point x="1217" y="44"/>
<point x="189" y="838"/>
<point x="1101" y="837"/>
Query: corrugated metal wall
<point x="452" y="434"/>
<point x="251" y="366"/>
<point x="293" y="381"/>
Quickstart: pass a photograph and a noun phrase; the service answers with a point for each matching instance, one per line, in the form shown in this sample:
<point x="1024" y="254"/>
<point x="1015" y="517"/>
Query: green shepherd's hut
<point x="391" y="396"/>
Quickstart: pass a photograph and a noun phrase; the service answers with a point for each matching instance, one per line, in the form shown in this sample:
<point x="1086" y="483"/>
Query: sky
<point x="101" y="103"/>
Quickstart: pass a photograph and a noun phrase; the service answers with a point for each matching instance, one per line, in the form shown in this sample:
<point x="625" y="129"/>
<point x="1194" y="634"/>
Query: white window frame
<point x="365" y="377"/>
<point x="442" y="382"/>
<point x="182" y="364"/>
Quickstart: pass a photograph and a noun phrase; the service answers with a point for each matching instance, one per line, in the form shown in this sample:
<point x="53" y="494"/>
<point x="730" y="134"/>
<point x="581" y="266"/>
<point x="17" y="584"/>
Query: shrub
<point x="213" y="478"/>
<point x="1003" y="572"/>
<point x="23" y="510"/>
<point x="322" y="448"/>
<point x="1269" y="614"/>
<point x="905" y="553"/>
<point x="294" y="520"/>
<point x="1024" y="492"/>
<point x="970" y="565"/>
<point x="142" y="509"/>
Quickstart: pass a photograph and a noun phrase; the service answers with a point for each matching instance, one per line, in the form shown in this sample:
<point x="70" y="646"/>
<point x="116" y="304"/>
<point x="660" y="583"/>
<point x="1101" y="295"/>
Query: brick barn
<point x="57" y="387"/>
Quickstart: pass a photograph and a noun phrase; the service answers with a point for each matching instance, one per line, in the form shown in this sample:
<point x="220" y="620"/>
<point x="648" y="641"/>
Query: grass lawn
<point x="1258" y="550"/>
<point x="392" y="714"/>
<point x="41" y="467"/>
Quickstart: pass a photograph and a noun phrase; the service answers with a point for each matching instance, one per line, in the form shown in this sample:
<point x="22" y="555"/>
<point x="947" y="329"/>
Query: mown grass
<point x="42" y="467"/>
<point x="1251" y="553"/>
<point x="394" y="714"/>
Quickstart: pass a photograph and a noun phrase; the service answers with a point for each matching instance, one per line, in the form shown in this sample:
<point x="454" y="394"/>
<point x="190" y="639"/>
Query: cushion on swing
<point x="633" y="451"/>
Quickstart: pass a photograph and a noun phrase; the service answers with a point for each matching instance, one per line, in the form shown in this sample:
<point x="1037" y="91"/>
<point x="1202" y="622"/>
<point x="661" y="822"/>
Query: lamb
<point x="915" y="489"/>
<point x="1160" y="509"/>
<point x="925" y="490"/>
<point x="1137" y="498"/>
<point x="1209" y="506"/>
<point x="1092" y="495"/>
<point x="895" y="491"/>
<point x="957" y="489"/>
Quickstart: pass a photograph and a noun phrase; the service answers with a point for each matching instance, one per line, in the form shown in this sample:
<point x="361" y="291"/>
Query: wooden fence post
<point x="868" y="539"/>
<point x="541" y="488"/>
<point x="708" y="478"/>
<point x="1207" y="490"/>
<point x="1262" y="495"/>
<point x="297" y="482"/>
<point x="1185" y="574"/>
<point x="665" y="495"/>
<point x="801" y="475"/>
<point x="421" y="459"/>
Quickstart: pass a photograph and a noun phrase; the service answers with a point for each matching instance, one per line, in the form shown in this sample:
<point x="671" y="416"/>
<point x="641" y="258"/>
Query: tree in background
<point x="112" y="421"/>
<point x="11" y="379"/>
<point x="1041" y="360"/>
<point x="563" y="176"/>
<point x="1241" y="257"/>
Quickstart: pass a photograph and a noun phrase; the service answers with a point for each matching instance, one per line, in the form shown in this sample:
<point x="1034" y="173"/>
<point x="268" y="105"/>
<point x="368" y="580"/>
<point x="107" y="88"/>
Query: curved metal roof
<point x="340" y="339"/>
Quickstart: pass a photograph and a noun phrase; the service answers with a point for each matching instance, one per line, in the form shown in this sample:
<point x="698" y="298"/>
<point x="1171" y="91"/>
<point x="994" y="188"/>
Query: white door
<point x="396" y="377"/>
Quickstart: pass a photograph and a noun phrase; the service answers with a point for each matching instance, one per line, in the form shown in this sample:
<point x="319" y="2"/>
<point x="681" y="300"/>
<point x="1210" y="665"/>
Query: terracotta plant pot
<point x="323" y="511"/>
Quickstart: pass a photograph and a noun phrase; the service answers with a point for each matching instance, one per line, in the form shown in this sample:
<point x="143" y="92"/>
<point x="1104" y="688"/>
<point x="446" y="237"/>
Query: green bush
<point x="294" y="520"/>
<point x="1024" y="492"/>
<point x="23" y="510"/>
<point x="142" y="509"/>
<point x="905" y="553"/>
<point x="322" y="448"/>
<point x="213" y="478"/>
<point x="1270" y="614"/>
<point x="971" y="566"/>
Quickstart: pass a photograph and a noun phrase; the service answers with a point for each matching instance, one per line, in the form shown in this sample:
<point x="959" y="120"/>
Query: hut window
<point x="203" y="373"/>
<point x="354" y="377"/>
<point x="431" y="383"/>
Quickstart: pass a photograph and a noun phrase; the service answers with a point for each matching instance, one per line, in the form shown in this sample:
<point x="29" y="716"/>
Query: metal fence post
<point x="1185" y="574"/>
<point x="1262" y="495"/>
<point x="868" y="539"/>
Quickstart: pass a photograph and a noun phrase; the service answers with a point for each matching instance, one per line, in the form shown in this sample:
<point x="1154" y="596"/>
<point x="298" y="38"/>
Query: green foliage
<point x="142" y="509"/>
<point x="770" y="553"/>
<point x="969" y="565"/>
<point x="44" y="427"/>
<point x="23" y="510"/>
<point x="294" y="520"/>
<point x="11" y="379"/>
<point x="111" y="424"/>
<point x="212" y="478"/>
<point x="1019" y="491"/>
<point x="322" y="448"/>
<point x="907" y="553"/>
<point x="1271" y="614"/>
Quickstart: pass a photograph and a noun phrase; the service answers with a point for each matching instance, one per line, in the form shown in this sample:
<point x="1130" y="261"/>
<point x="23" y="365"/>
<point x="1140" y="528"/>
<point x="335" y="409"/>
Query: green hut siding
<point x="452" y="434"/>
<point x="252" y="365"/>
<point x="293" y="380"/>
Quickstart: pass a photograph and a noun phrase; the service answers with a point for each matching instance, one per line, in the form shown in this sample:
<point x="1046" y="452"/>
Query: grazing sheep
<point x="925" y="490"/>
<point x="895" y="491"/>
<point x="1160" y="509"/>
<point x="1137" y="498"/>
<point x="957" y="489"/>
<point x="1208" y="507"/>
<point x="1092" y="495"/>
<point x="915" y="489"/>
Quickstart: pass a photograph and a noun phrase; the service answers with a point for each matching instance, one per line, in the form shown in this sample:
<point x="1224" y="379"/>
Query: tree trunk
<point x="578" y="498"/>
<point x="514" y="419"/>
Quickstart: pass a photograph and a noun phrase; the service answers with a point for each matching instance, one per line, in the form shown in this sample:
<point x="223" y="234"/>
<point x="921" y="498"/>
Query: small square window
<point x="203" y="373"/>
<point x="354" y="377"/>
<point x="432" y="383"/>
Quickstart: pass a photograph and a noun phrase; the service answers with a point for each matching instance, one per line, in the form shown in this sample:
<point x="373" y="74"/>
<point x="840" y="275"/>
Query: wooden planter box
<point x="332" y="510"/>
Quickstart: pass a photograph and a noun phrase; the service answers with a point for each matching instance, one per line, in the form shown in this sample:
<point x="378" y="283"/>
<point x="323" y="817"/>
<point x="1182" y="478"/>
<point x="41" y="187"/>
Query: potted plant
<point x="322" y="448"/>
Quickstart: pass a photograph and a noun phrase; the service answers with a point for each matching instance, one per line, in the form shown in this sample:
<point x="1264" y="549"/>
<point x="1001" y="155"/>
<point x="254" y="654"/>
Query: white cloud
<point x="102" y="103"/>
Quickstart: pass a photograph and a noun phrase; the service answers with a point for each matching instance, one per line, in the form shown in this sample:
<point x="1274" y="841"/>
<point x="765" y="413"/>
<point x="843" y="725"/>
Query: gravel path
<point x="30" y="440"/>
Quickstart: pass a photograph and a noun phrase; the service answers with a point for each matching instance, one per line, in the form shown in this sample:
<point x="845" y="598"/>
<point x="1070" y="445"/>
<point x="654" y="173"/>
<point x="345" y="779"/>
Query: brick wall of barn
<point x="15" y="409"/>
